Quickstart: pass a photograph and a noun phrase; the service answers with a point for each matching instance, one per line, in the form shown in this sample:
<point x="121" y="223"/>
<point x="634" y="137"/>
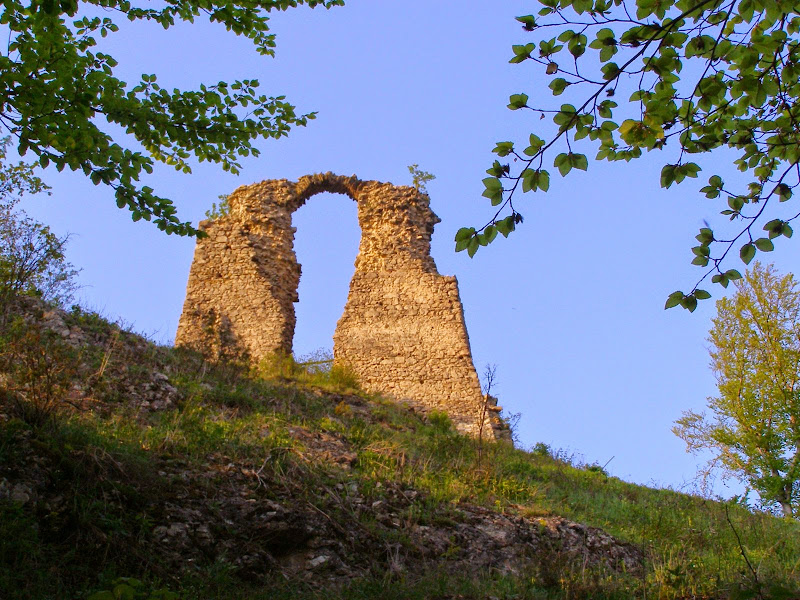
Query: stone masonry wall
<point x="402" y="329"/>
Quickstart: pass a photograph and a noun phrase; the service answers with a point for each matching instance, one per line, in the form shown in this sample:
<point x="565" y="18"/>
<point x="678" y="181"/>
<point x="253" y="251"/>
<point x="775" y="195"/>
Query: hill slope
<point x="120" y="458"/>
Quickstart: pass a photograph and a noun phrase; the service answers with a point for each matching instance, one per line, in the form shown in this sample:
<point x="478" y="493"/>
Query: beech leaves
<point x="623" y="66"/>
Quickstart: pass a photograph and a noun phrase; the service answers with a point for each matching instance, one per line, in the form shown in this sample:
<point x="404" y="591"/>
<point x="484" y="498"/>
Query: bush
<point x="32" y="260"/>
<point x="440" y="421"/>
<point x="279" y="365"/>
<point x="324" y="373"/>
<point x="542" y="449"/>
<point x="128" y="588"/>
<point x="37" y="368"/>
<point x="220" y="210"/>
<point x="343" y="377"/>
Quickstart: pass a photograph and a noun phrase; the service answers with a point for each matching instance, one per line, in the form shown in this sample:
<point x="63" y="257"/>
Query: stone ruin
<point x="402" y="330"/>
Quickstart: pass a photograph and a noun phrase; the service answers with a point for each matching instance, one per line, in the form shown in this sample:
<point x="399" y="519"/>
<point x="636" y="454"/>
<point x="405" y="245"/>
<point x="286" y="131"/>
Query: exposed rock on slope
<point x="166" y="465"/>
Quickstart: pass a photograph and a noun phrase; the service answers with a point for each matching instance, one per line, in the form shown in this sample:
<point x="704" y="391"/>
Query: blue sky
<point x="570" y="308"/>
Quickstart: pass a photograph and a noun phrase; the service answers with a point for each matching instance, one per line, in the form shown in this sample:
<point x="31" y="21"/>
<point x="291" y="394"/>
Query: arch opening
<point x="326" y="240"/>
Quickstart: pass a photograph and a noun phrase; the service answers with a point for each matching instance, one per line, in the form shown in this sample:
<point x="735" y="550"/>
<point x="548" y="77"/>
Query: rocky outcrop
<point x="229" y="511"/>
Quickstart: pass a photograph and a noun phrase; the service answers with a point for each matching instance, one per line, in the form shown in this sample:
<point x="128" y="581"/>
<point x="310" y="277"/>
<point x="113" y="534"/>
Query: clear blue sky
<point x="570" y="308"/>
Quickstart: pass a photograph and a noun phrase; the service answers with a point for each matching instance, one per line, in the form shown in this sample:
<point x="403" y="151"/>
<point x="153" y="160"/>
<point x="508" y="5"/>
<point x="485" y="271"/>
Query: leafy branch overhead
<point x="57" y="90"/>
<point x="694" y="77"/>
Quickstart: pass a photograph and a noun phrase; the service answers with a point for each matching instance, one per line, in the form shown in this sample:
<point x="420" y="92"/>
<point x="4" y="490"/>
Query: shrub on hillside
<point x="333" y="376"/>
<point x="32" y="260"/>
<point x="37" y="368"/>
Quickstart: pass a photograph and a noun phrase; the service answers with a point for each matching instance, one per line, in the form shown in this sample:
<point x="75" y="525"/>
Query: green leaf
<point x="496" y="170"/>
<point x="691" y="169"/>
<point x="465" y="233"/>
<point x="529" y="180"/>
<point x="765" y="245"/>
<point x="472" y="247"/>
<point x="544" y="182"/>
<point x="566" y="36"/>
<point x="558" y="85"/>
<point x="536" y="144"/>
<point x="528" y="22"/>
<point x="517" y="101"/>
<point x="533" y="179"/>
<point x="736" y="203"/>
<point x="494" y="190"/>
<point x="579" y="161"/>
<point x="721" y="279"/>
<point x="674" y="299"/>
<point x="563" y="163"/>
<point x="747" y="253"/>
<point x="689" y="303"/>
<point x="702" y="295"/>
<point x="667" y="176"/>
<point x="503" y="148"/>
<point x="604" y="109"/>
<point x="733" y="274"/>
<point x="566" y="118"/>
<point x="784" y="192"/>
<point x="610" y="71"/>
<point x="706" y="236"/>
<point x="522" y="52"/>
<point x="774" y="227"/>
<point x="506" y="226"/>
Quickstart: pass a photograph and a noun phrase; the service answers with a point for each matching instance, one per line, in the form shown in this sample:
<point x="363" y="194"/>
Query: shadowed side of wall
<point x="403" y="328"/>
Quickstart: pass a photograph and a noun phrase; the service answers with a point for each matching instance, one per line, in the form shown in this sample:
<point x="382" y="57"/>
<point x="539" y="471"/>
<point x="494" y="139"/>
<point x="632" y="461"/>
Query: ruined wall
<point x="403" y="325"/>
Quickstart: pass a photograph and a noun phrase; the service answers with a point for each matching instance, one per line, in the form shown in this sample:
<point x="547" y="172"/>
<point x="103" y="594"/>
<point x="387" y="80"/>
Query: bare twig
<point x="489" y="375"/>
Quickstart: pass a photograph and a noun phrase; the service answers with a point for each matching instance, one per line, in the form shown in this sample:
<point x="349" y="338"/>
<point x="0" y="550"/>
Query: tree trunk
<point x="786" y="507"/>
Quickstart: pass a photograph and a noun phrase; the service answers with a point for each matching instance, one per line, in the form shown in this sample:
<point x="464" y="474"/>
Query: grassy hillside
<point x="123" y="459"/>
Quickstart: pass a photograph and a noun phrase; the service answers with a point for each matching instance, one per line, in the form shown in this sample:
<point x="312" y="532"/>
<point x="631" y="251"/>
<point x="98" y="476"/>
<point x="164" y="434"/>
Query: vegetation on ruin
<point x="219" y="210"/>
<point x="420" y="178"/>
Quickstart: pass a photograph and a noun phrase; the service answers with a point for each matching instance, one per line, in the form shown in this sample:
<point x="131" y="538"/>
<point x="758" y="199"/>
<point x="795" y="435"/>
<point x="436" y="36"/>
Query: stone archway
<point x="403" y="326"/>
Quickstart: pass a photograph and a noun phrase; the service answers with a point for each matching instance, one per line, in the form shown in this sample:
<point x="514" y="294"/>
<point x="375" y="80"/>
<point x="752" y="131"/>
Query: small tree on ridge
<point x="754" y="427"/>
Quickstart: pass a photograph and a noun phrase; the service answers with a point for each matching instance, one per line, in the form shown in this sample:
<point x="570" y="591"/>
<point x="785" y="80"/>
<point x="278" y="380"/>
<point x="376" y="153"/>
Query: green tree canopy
<point x="685" y="77"/>
<point x="58" y="90"/>
<point x="754" y="427"/>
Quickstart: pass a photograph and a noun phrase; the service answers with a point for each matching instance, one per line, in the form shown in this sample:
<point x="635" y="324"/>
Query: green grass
<point x="113" y="466"/>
